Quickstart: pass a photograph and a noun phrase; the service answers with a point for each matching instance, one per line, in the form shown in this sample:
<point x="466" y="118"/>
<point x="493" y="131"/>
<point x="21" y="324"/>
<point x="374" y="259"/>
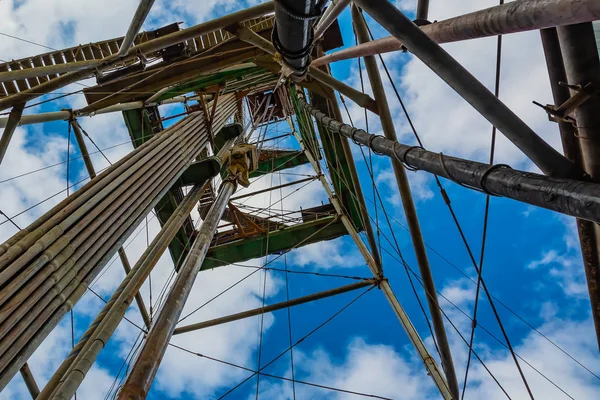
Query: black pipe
<point x="576" y="198"/>
<point x="293" y="32"/>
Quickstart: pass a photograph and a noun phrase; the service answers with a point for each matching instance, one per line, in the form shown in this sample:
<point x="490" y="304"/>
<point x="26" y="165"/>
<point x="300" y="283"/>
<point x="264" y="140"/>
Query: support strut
<point x="550" y="161"/>
<point x="582" y="67"/>
<point x="144" y="370"/>
<point x="410" y="211"/>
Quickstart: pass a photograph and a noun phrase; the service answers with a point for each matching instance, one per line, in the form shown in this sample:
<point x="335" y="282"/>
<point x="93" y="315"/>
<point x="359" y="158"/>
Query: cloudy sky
<point x="532" y="260"/>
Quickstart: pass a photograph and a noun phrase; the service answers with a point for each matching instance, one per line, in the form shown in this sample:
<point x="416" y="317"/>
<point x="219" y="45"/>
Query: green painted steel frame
<point x="279" y="241"/>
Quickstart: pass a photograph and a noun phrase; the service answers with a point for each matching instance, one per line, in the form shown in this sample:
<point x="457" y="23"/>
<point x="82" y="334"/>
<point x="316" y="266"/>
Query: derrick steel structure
<point x="271" y="59"/>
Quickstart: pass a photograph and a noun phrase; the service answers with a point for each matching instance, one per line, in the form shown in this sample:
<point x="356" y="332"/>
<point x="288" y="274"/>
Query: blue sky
<point x="532" y="260"/>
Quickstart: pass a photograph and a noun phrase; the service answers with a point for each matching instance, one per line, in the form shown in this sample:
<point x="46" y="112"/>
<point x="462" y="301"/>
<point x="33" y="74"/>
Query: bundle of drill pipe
<point x="47" y="267"/>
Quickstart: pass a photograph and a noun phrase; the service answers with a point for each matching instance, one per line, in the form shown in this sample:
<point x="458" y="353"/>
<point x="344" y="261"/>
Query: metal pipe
<point x="51" y="70"/>
<point x="73" y="369"/>
<point x="422" y="9"/>
<point x="145" y="367"/>
<point x="11" y="124"/>
<point x="292" y="35"/>
<point x="83" y="148"/>
<point x="582" y="66"/>
<point x="517" y="16"/>
<point x="138" y="296"/>
<point x="550" y="161"/>
<point x="117" y="212"/>
<point x="360" y="98"/>
<point x="113" y="312"/>
<point x="68" y="216"/>
<point x="136" y="24"/>
<point x="97" y="231"/>
<point x="329" y="16"/>
<point x="32" y="386"/>
<point x="585" y="229"/>
<point x="430" y="364"/>
<point x="134" y="52"/>
<point x="50" y="244"/>
<point x="579" y="199"/>
<point x="36" y="336"/>
<point x="410" y="211"/>
<point x="275" y="307"/>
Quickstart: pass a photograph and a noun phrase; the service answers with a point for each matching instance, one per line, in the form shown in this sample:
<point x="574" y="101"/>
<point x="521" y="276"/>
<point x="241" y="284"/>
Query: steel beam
<point x="329" y="16"/>
<point x="550" y="161"/>
<point x="579" y="199"/>
<point x="513" y="17"/>
<point x="32" y="386"/>
<point x="430" y="364"/>
<point x="422" y="9"/>
<point x="11" y="124"/>
<point x="136" y="24"/>
<point x="51" y="70"/>
<point x="134" y="52"/>
<point x="83" y="149"/>
<point x="410" y="211"/>
<point x="275" y="307"/>
<point x="582" y="67"/>
<point x="144" y="369"/>
<point x="66" y="114"/>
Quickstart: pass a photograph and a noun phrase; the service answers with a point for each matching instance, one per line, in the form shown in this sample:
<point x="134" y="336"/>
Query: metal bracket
<point x="561" y="113"/>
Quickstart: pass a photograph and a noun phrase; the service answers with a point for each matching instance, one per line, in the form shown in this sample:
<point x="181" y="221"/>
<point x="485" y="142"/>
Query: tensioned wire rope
<point x="487" y="331"/>
<point x="458" y="225"/>
<point x="383" y="209"/>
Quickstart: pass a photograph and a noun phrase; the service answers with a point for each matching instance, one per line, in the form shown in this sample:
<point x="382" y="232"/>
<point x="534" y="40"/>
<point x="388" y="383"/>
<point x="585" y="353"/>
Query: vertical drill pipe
<point x="94" y="228"/>
<point x="20" y="242"/>
<point x="144" y="369"/>
<point x="582" y="66"/>
<point x="113" y="312"/>
<point x="81" y="267"/>
<point x="73" y="370"/>
<point x="37" y="336"/>
<point x="550" y="161"/>
<point x="113" y="211"/>
<point x="72" y="292"/>
<point x="54" y="210"/>
<point x="39" y="240"/>
<point x="90" y="216"/>
<point x="410" y="211"/>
